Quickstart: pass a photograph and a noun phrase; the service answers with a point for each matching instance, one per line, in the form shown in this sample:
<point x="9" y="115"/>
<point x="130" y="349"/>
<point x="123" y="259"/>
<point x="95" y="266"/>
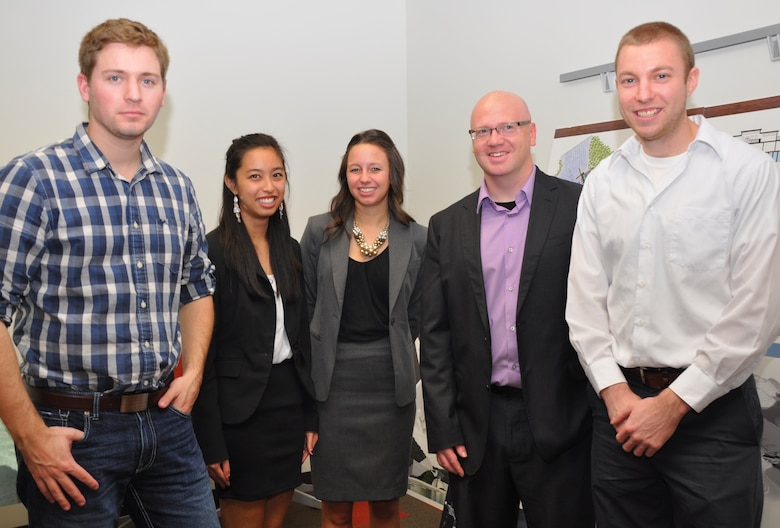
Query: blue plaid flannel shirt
<point x="95" y="268"/>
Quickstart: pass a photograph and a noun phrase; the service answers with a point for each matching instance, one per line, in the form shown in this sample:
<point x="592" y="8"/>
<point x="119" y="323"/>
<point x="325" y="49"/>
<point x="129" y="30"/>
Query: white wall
<point x="313" y="73"/>
<point x="460" y="49"/>
<point x="310" y="73"/>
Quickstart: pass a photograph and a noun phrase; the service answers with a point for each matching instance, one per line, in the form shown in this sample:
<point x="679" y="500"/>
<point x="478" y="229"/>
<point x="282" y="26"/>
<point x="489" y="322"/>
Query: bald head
<point x="504" y="153"/>
<point x="506" y="101"/>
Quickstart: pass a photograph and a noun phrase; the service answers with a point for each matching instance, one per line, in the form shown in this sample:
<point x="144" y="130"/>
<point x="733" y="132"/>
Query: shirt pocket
<point x="699" y="238"/>
<point x="166" y="243"/>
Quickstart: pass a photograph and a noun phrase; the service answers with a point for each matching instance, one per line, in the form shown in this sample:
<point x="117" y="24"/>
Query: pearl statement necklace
<point x="369" y="250"/>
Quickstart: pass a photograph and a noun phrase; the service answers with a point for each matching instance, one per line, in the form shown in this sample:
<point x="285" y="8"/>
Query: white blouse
<point x="282" y="349"/>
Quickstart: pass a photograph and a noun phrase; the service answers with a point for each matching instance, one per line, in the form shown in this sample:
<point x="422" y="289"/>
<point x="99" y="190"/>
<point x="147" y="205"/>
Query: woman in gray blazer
<point x="361" y="262"/>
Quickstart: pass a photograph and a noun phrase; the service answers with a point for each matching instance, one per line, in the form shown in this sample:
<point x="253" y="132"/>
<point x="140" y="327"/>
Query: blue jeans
<point x="151" y="457"/>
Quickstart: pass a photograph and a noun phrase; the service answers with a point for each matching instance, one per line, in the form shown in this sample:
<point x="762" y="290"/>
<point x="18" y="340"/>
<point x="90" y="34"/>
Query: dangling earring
<point x="236" y="208"/>
<point x="281" y="210"/>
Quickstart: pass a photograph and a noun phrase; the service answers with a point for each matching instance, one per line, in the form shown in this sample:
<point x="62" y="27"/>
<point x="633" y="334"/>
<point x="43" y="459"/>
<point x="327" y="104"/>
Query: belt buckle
<point x="134" y="402"/>
<point x="642" y="375"/>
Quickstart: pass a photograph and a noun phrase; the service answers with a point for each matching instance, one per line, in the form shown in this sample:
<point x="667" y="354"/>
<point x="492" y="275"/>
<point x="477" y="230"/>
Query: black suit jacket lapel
<point x="545" y="199"/>
<point x="470" y="236"/>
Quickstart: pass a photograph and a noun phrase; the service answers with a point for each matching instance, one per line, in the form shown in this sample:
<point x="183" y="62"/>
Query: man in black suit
<point x="505" y="396"/>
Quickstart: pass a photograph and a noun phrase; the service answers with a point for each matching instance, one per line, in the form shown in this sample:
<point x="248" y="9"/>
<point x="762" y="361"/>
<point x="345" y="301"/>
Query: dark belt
<point x="655" y="378"/>
<point x="506" y="391"/>
<point x="124" y="403"/>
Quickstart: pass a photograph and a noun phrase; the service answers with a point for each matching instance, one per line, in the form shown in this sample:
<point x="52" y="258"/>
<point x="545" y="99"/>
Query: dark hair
<point x="239" y="252"/>
<point x="122" y="31"/>
<point x="655" y="31"/>
<point x="343" y="204"/>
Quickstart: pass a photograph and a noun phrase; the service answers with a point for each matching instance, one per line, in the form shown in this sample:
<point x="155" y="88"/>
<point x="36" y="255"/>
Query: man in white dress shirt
<point x="674" y="293"/>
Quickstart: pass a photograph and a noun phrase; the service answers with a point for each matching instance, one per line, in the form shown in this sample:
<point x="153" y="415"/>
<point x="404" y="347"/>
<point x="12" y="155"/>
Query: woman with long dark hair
<point x="361" y="264"/>
<point x="254" y="418"/>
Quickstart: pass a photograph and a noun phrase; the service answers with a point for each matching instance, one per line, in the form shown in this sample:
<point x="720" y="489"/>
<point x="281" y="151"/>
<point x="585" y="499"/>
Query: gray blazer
<point x="325" y="271"/>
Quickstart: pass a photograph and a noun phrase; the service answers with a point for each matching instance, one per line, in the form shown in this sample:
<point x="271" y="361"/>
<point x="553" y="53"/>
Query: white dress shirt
<point x="685" y="274"/>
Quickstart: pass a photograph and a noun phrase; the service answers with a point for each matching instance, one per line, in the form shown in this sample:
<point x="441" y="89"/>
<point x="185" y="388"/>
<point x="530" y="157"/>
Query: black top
<point x="365" y="314"/>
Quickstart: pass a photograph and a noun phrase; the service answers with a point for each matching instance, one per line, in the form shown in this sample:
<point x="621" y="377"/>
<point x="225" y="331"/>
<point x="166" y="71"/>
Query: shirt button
<point x="139" y="265"/>
<point x="135" y="225"/>
<point x="514" y="367"/>
<point x="511" y="250"/>
<point x="641" y="284"/>
<point x="640" y="322"/>
<point x="146" y="383"/>
<point x="512" y="328"/>
<point x="511" y="288"/>
<point x="146" y="344"/>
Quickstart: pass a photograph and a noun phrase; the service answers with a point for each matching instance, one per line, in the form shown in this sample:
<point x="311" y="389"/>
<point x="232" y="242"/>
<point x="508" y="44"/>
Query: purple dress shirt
<point x="502" y="246"/>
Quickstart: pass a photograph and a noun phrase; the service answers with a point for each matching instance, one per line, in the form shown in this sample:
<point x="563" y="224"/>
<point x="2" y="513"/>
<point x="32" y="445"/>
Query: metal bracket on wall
<point x="770" y="33"/>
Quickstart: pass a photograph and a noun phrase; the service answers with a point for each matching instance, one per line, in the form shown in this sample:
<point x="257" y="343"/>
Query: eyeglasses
<point x="507" y="129"/>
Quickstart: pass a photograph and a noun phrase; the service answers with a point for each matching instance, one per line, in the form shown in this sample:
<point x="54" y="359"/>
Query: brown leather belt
<point x="655" y="378"/>
<point x="124" y="403"/>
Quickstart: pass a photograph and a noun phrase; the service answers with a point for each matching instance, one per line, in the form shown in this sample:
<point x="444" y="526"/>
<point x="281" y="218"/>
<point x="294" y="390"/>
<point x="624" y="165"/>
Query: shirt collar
<point x="707" y="136"/>
<point x="94" y="161"/>
<point x="527" y="191"/>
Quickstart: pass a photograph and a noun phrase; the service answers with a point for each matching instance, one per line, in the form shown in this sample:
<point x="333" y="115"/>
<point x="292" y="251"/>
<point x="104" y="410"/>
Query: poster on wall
<point x="768" y="385"/>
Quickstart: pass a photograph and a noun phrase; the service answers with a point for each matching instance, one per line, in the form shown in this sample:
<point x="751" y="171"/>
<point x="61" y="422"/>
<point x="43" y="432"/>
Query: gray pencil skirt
<point x="364" y="438"/>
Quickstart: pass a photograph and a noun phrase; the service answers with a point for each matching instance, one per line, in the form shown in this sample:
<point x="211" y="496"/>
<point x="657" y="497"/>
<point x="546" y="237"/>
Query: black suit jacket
<point x="456" y="360"/>
<point x="240" y="357"/>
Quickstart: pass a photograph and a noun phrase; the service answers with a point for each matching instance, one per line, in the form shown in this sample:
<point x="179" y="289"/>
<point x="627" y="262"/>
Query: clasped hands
<point x="643" y="425"/>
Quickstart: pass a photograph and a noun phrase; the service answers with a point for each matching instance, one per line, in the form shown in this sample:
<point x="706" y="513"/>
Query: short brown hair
<point x="655" y="31"/>
<point x="123" y="31"/>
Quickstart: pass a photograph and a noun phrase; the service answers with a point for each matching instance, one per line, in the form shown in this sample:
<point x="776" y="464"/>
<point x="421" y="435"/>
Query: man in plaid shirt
<point x="108" y="285"/>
